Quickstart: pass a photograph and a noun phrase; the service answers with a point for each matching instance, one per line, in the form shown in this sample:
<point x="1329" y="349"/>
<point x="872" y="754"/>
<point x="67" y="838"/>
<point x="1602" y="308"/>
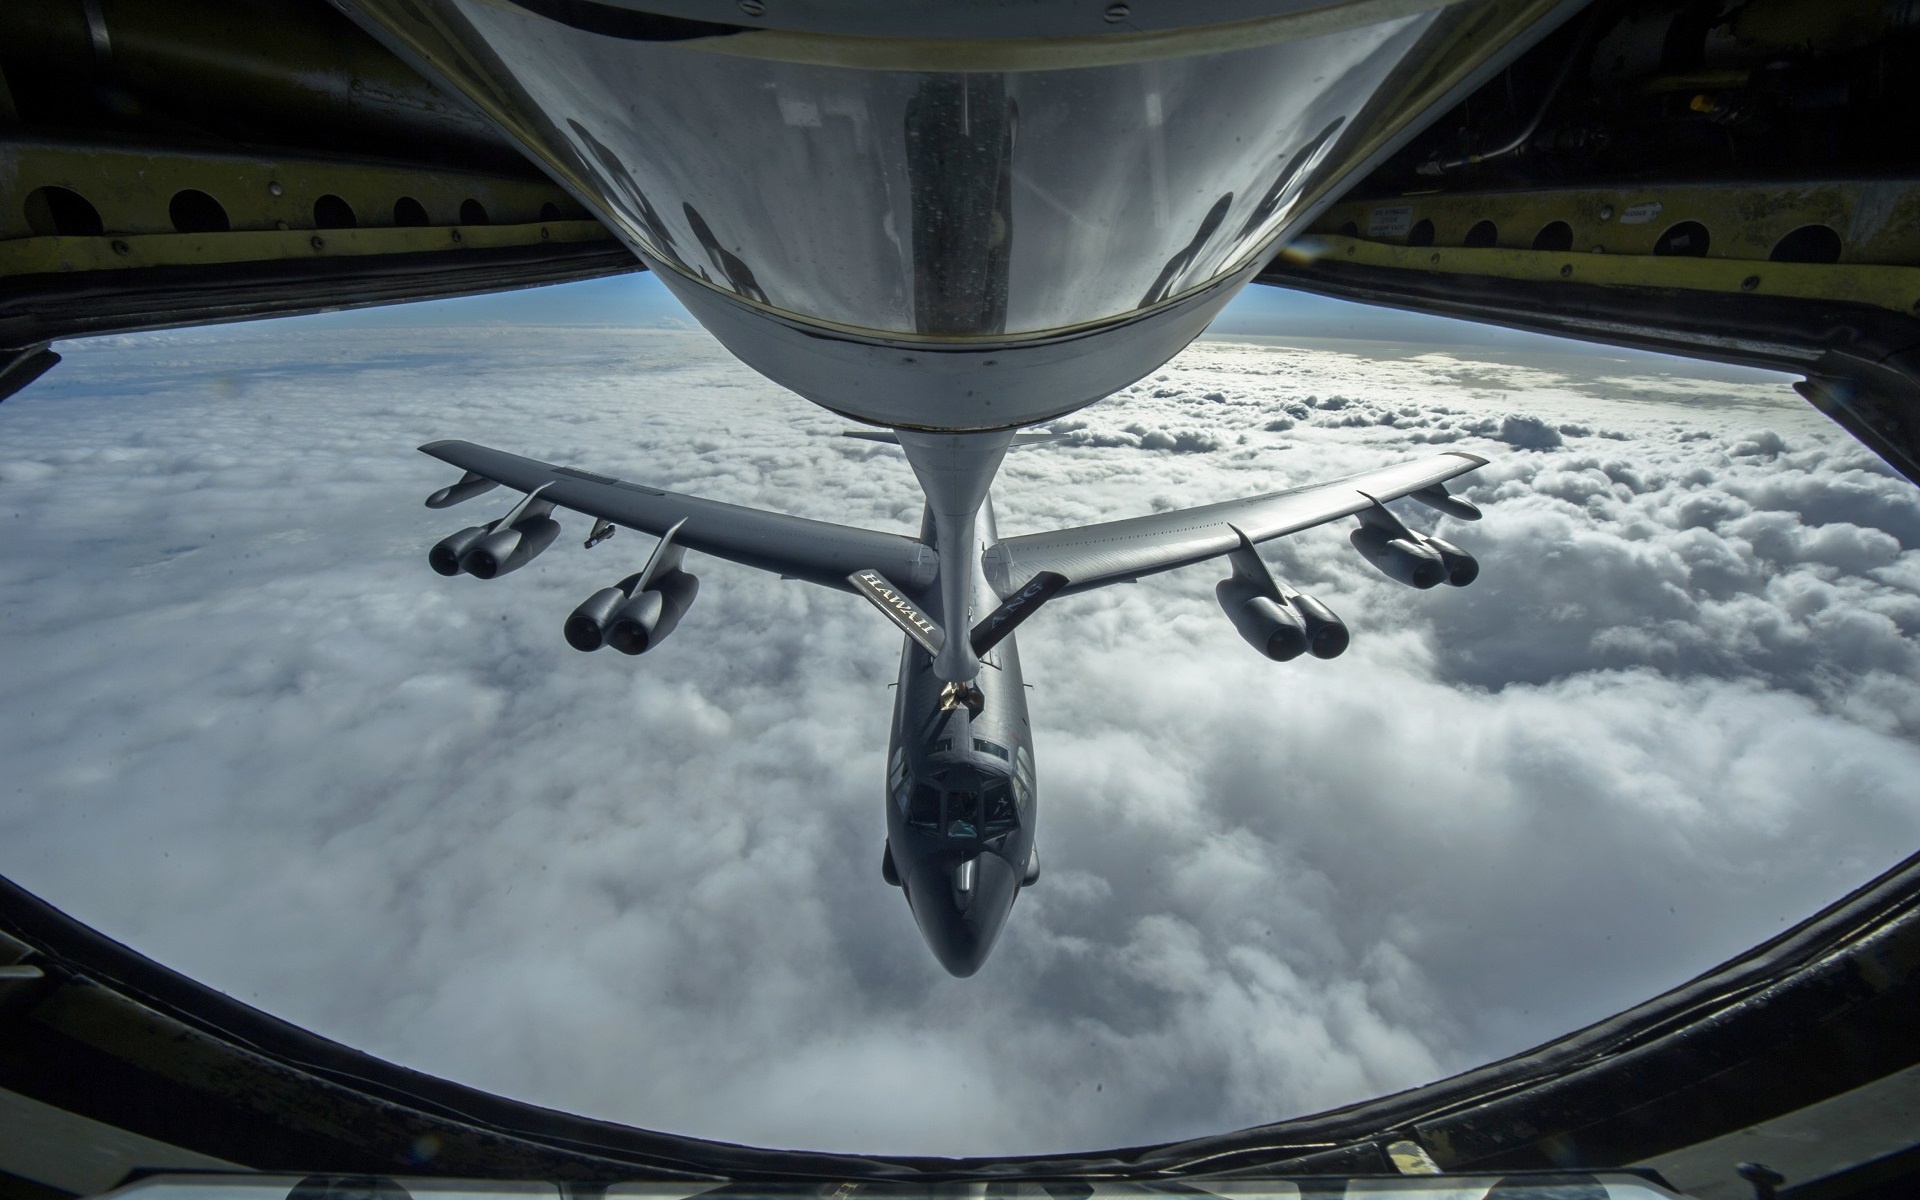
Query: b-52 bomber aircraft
<point x="961" y="794"/>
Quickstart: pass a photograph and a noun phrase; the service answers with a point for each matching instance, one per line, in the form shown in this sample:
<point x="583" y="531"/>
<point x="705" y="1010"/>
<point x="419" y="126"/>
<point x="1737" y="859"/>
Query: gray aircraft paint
<point x="955" y="471"/>
<point x="937" y="589"/>
<point x="929" y="742"/>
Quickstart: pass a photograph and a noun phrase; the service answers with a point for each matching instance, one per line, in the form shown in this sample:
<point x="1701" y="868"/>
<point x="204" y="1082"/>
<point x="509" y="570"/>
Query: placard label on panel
<point x="1392" y="221"/>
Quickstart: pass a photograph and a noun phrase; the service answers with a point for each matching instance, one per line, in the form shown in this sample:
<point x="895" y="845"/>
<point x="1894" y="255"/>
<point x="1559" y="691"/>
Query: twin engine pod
<point x="1283" y="628"/>
<point x="1273" y="618"/>
<point x="486" y="552"/>
<point x="633" y="616"/>
<point x="632" y="621"/>
<point x="1416" y="559"/>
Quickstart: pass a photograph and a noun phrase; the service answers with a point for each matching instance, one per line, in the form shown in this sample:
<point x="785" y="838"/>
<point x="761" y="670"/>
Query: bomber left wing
<point x="795" y="547"/>
<point x="1273" y="618"/>
<point x="1121" y="551"/>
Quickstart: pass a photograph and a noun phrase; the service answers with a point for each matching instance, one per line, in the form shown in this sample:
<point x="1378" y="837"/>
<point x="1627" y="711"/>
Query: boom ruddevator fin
<point x="1016" y="608"/>
<point x="894" y="606"/>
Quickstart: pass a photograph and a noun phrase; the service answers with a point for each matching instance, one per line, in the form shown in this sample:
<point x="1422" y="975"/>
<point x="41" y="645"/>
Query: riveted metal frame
<point x="59" y="255"/>
<point x="131" y="188"/>
<point x="141" y="273"/>
<point x="1877" y="221"/>
<point x="1890" y="287"/>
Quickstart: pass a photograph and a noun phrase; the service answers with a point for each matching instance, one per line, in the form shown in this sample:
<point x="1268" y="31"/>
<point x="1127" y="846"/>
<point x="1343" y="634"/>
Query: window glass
<point x="963" y="814"/>
<point x="923" y="811"/>
<point x="986" y="747"/>
<point x="944" y="204"/>
<point x="1001" y="817"/>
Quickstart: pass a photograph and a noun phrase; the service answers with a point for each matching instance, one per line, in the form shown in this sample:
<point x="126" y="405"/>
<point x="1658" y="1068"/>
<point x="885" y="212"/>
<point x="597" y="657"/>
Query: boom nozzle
<point x="963" y="695"/>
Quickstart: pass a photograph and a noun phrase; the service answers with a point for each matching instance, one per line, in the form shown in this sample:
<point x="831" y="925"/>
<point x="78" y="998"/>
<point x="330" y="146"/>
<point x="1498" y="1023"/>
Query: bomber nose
<point x="961" y="908"/>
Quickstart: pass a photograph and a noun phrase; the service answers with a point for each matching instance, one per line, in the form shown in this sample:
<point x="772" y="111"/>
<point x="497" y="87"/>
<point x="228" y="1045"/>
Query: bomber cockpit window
<point x="1023" y="777"/>
<point x="1001" y="816"/>
<point x="898" y="783"/>
<point x="963" y="814"/>
<point x="923" y="807"/>
<point x="994" y="748"/>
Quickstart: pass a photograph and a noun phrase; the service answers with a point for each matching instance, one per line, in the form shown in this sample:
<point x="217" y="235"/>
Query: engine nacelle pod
<point x="511" y="548"/>
<point x="1440" y="500"/>
<point x="678" y="589"/>
<point x="1398" y="558"/>
<point x="469" y="487"/>
<point x="1462" y="568"/>
<point x="644" y="621"/>
<point x="1265" y="624"/>
<point x="446" y="554"/>
<point x="631" y="630"/>
<point x="1327" y="635"/>
<point x="586" y="628"/>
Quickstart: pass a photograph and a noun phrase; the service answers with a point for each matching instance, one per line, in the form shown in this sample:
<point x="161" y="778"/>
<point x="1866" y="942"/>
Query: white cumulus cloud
<point x="249" y="732"/>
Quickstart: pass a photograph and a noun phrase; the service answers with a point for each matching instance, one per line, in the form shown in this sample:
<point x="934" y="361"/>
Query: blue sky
<point x="640" y="300"/>
<point x="637" y="299"/>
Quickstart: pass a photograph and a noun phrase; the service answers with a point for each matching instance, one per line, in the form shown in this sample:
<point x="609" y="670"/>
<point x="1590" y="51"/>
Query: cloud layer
<point x="252" y="735"/>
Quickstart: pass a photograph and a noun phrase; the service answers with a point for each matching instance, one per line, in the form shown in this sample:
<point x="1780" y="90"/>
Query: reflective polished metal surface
<point x="979" y="204"/>
<point x="949" y="233"/>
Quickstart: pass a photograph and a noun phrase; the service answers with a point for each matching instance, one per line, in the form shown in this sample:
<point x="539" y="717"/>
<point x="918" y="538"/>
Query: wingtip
<point x="446" y="448"/>
<point x="1475" y="459"/>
